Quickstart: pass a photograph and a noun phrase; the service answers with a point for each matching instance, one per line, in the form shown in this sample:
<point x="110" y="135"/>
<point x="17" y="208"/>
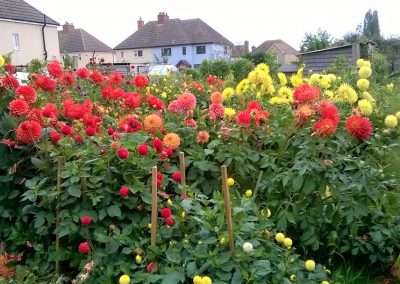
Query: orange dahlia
<point x="203" y="136"/>
<point x="304" y="113"/>
<point x="152" y="123"/>
<point x="216" y="97"/>
<point x="172" y="140"/>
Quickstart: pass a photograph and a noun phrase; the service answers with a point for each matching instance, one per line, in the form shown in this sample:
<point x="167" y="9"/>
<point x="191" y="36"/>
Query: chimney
<point x="67" y="27"/>
<point x="140" y="23"/>
<point x="253" y="48"/>
<point x="162" y="18"/>
<point x="246" y="46"/>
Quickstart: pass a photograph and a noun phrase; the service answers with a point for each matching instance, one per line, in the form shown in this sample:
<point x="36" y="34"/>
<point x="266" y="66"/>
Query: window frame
<point x="138" y="53"/>
<point x="16" y="42"/>
<point x="199" y="49"/>
<point x="163" y="51"/>
<point x="183" y="50"/>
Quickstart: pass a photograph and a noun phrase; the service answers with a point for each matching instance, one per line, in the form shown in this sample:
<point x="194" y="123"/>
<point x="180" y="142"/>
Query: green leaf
<point x="38" y="163"/>
<point x="260" y="268"/>
<point x="74" y="190"/>
<point x="174" y="277"/>
<point x="114" y="211"/>
<point x="309" y="185"/>
<point x="297" y="182"/>
<point x="191" y="269"/>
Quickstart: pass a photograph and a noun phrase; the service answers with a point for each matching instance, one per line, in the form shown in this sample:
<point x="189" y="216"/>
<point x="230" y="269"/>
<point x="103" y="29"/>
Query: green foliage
<point x="263" y="57"/>
<point x="36" y="66"/>
<point x="219" y="68"/>
<point x="322" y="39"/>
<point x="380" y="65"/>
<point x="240" y="68"/>
<point x="371" y="27"/>
<point x="68" y="61"/>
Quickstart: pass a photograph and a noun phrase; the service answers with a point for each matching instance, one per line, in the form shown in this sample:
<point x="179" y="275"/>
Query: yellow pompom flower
<point x="365" y="72"/>
<point x="332" y="77"/>
<point x="163" y="95"/>
<point x="296" y="80"/>
<point x="325" y="82"/>
<point x="149" y="225"/>
<point x="300" y="71"/>
<point x="124" y="279"/>
<point x="206" y="280"/>
<point x="229" y="111"/>
<point x="1" y="60"/>
<point x="368" y="97"/>
<point x="398" y="115"/>
<point x="365" y="107"/>
<point x="183" y="214"/>
<point x="324" y="282"/>
<point x="363" y="84"/>
<point x="391" y="121"/>
<point x="285" y="92"/>
<point x="263" y="67"/>
<point x="278" y="101"/>
<point x="346" y="94"/>
<point x="242" y="87"/>
<point x="329" y="94"/>
<point x="197" y="280"/>
<point x="266" y="213"/>
<point x="169" y="201"/>
<point x="314" y="79"/>
<point x="361" y="63"/>
<point x="388" y="86"/>
<point x="248" y="193"/>
<point x="227" y="93"/>
<point x="310" y="265"/>
<point x="230" y="181"/>
<point x="138" y="259"/>
<point x="282" y="78"/>
<point x="222" y="241"/>
<point x="328" y="192"/>
<point x="279" y="237"/>
<point x="287" y="242"/>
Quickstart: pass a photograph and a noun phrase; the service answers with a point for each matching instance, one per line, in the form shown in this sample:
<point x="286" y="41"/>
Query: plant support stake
<point x="60" y="161"/>
<point x="228" y="212"/>
<point x="153" y="206"/>
<point x="182" y="170"/>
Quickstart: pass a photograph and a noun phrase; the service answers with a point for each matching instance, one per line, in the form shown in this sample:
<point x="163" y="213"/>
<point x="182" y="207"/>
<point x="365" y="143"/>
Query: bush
<point x="219" y="68"/>
<point x="241" y="68"/>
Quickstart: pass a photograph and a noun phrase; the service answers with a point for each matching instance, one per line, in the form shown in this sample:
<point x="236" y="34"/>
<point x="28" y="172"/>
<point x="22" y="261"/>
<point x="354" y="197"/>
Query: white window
<point x="122" y="54"/>
<point x="80" y="57"/>
<point x="15" y="41"/>
<point x="225" y="49"/>
<point x="138" y="53"/>
<point x="166" y="51"/>
<point x="201" y="49"/>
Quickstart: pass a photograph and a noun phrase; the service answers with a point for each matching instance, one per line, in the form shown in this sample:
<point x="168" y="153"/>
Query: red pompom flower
<point x="84" y="248"/>
<point x="123" y="153"/>
<point x="143" y="149"/>
<point x="166" y="212"/>
<point x="86" y="220"/>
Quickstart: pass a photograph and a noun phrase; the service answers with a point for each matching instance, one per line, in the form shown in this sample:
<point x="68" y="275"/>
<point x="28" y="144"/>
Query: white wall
<point x="83" y="58"/>
<point x="30" y="41"/>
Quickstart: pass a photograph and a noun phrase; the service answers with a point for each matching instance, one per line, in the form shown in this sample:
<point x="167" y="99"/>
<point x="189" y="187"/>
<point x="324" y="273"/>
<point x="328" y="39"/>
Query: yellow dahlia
<point x="329" y="94"/>
<point x="368" y="97"/>
<point x="388" y="86"/>
<point x="398" y="115"/>
<point x="296" y="80"/>
<point x="363" y="84"/>
<point x="325" y="82"/>
<point x="278" y="101"/>
<point x="391" y="121"/>
<point x="242" y="87"/>
<point x="263" y="67"/>
<point x="1" y="60"/>
<point x="172" y="140"/>
<point x="229" y="111"/>
<point x="346" y="94"/>
<point x="331" y="77"/>
<point x="314" y="79"/>
<point x="227" y="93"/>
<point x="361" y="63"/>
<point x="365" y="72"/>
<point x="365" y="107"/>
<point x="285" y="92"/>
<point x="282" y="79"/>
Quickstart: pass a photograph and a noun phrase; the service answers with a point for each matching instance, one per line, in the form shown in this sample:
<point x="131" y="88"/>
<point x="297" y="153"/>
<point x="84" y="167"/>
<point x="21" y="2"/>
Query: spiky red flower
<point x="82" y="73"/>
<point x="244" y="118"/>
<point x="36" y="115"/>
<point x="96" y="77"/>
<point x="28" y="132"/>
<point x="132" y="100"/>
<point x="123" y="153"/>
<point x="86" y="220"/>
<point x="9" y="82"/>
<point x="84" y="247"/>
<point x="115" y="79"/>
<point x="143" y="149"/>
<point x="130" y="124"/>
<point x="176" y="176"/>
<point x="253" y="105"/>
<point x="55" y="69"/>
<point x="67" y="79"/>
<point x="140" y="81"/>
<point x="78" y="139"/>
<point x="45" y="83"/>
<point x="166" y="212"/>
<point x="305" y="93"/>
<point x="331" y="112"/>
<point x="66" y="130"/>
<point x="358" y="126"/>
<point x="324" y="127"/>
<point x="150" y="267"/>
<point x="26" y="93"/>
<point x="18" y="108"/>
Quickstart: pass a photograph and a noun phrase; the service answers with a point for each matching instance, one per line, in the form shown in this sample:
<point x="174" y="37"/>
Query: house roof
<point x="172" y="32"/>
<point x="79" y="40"/>
<point x="280" y="44"/>
<point x="19" y="10"/>
<point x="325" y="49"/>
<point x="239" y="50"/>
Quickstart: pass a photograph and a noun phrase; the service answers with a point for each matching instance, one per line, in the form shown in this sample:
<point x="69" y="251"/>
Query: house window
<point x="201" y="49"/>
<point x="184" y="50"/>
<point x="138" y="53"/>
<point x="225" y="49"/>
<point x="122" y="54"/>
<point x="15" y="41"/>
<point x="165" y="51"/>
<point x="80" y="57"/>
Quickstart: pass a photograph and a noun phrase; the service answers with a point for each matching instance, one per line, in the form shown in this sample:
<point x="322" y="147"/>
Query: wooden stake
<point x="228" y="212"/>
<point x="84" y="188"/>
<point x="60" y="161"/>
<point x="154" y="212"/>
<point x="183" y="172"/>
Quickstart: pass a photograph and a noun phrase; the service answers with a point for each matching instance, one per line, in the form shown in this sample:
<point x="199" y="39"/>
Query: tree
<point x="322" y="39"/>
<point x="371" y="27"/>
<point x="263" y="57"/>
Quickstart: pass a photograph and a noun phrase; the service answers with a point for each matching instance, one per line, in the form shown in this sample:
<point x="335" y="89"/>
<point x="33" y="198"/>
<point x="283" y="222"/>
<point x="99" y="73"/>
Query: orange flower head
<point x="216" y="97"/>
<point x="203" y="136"/>
<point x="304" y="113"/>
<point x="115" y="145"/>
<point x="152" y="123"/>
<point x="172" y="140"/>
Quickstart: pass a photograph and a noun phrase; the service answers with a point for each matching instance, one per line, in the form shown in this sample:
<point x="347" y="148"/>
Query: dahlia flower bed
<point x="308" y="159"/>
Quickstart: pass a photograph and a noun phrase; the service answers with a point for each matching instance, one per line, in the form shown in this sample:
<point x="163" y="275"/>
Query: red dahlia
<point x="143" y="149"/>
<point x="140" y="81"/>
<point x="170" y="221"/>
<point x="55" y="69"/>
<point x="325" y="127"/>
<point x="358" y="126"/>
<point x="84" y="248"/>
<point x="18" y="108"/>
<point x="82" y="73"/>
<point x="305" y="93"/>
<point x="166" y="212"/>
<point x="123" y="153"/>
<point x="45" y="83"/>
<point x="28" y="132"/>
<point x="86" y="220"/>
<point x="176" y="176"/>
<point x="124" y="191"/>
<point x="26" y="93"/>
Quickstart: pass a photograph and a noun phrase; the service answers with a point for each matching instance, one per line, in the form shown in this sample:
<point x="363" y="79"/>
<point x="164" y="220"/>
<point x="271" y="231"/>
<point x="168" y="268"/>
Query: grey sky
<point x="256" y="21"/>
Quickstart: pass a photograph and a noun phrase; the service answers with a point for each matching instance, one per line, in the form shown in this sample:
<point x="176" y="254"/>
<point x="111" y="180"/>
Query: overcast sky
<point x="254" y="20"/>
